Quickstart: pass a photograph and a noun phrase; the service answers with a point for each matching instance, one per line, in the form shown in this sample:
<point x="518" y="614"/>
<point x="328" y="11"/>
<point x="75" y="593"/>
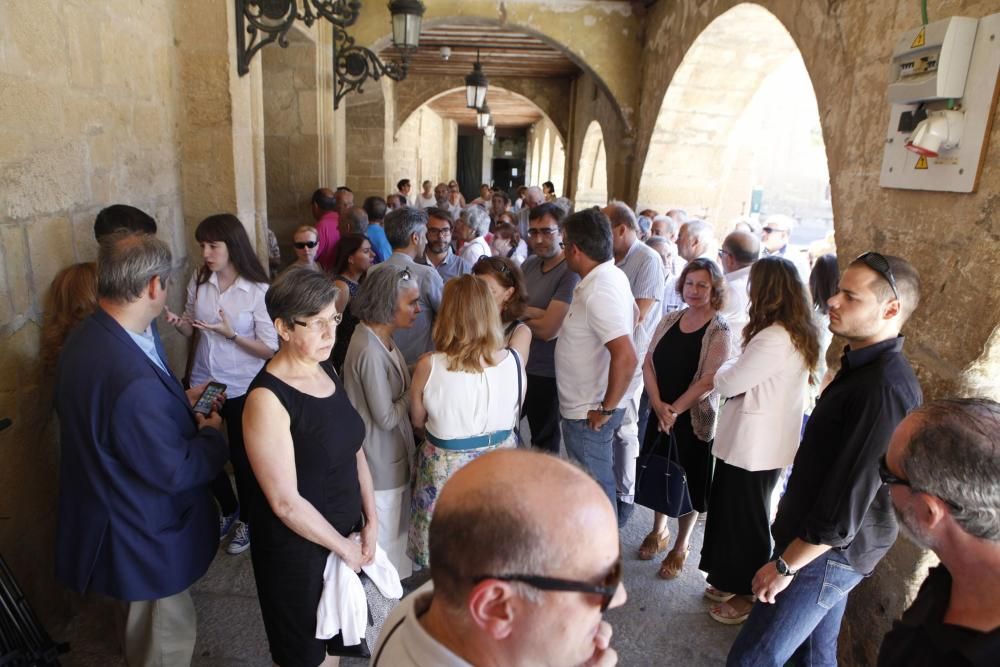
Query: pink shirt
<point x="328" y="230"/>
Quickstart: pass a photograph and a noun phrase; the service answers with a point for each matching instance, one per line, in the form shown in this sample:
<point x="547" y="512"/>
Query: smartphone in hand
<point x="208" y="398"/>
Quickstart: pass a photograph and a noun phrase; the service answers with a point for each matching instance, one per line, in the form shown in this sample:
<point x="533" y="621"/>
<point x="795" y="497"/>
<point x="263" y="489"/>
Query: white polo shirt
<point x="603" y="309"/>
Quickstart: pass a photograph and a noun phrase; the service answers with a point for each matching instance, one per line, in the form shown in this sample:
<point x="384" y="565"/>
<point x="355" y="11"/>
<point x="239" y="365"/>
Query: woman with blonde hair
<point x="464" y="397"/>
<point x="71" y="298"/>
<point x="758" y="433"/>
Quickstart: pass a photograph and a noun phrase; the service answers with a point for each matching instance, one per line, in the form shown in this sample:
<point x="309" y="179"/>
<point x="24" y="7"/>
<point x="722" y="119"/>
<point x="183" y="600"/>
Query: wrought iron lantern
<point x="266" y="21"/>
<point x="483" y="116"/>
<point x="476" y="84"/>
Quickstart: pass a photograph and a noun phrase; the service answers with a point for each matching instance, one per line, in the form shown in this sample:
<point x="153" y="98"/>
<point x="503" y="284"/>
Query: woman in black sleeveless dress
<point x="311" y="487"/>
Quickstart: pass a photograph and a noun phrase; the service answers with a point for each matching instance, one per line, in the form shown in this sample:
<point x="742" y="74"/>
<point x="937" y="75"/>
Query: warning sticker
<point x="919" y="40"/>
<point x="921" y="163"/>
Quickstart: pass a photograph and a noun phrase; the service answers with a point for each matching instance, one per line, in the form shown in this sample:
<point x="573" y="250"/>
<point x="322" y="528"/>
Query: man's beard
<point x="911" y="531"/>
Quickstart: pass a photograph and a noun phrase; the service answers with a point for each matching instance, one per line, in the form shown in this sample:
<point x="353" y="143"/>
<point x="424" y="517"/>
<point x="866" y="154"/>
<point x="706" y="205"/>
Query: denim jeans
<point x="594" y="450"/>
<point x="804" y="621"/>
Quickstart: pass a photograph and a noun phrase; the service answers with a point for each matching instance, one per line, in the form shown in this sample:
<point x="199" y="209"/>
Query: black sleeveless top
<point x="326" y="435"/>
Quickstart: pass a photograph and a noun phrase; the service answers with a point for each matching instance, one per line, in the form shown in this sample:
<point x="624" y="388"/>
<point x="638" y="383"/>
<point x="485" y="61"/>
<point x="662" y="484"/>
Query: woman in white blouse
<point x="225" y="303"/>
<point x="758" y="432"/>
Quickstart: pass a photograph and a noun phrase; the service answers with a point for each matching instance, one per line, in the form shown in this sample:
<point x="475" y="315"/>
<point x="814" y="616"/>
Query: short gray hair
<point x="378" y="294"/>
<point x="402" y="223"/>
<point x="477" y="218"/>
<point x="299" y="292"/>
<point x="357" y="220"/>
<point x="127" y="261"/>
<point x="699" y="229"/>
<point x="672" y="225"/>
<point x="955" y="455"/>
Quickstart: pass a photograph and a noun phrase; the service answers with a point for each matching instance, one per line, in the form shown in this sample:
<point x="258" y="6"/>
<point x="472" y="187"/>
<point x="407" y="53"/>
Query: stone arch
<point x="740" y="115"/>
<point x="592" y="179"/>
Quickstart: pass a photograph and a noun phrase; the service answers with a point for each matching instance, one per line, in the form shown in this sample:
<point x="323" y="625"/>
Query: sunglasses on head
<point x="606" y="589"/>
<point x="497" y="265"/>
<point x="880" y="265"/>
<point x="302" y="245"/>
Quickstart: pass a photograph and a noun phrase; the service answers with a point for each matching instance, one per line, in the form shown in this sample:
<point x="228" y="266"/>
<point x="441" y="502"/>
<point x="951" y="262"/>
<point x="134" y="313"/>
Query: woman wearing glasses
<point x="353" y="259"/>
<point x="311" y="488"/>
<point x="506" y="283"/>
<point x="377" y="381"/>
<point x="225" y="303"/>
<point x="306" y="244"/>
<point x="759" y="425"/>
<point x="464" y="397"/>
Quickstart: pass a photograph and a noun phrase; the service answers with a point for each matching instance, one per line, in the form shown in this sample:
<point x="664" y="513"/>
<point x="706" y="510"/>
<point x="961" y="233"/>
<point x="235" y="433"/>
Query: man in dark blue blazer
<point x="137" y="521"/>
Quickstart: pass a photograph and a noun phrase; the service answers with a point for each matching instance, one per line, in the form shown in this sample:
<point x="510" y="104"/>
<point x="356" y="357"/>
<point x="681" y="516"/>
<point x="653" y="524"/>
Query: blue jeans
<point x="594" y="450"/>
<point x="804" y="621"/>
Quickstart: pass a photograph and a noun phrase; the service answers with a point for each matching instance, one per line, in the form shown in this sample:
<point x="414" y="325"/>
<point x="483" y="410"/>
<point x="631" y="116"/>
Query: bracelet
<point x="231" y="338"/>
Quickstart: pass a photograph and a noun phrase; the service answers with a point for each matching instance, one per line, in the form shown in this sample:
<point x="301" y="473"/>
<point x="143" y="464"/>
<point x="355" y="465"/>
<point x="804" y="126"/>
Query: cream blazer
<point x="760" y="423"/>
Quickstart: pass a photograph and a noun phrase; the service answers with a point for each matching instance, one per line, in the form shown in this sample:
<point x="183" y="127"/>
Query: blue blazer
<point x="136" y="516"/>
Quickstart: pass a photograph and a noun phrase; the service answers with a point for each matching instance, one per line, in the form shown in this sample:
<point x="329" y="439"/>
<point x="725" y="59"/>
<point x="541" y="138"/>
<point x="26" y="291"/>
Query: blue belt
<point x="475" y="442"/>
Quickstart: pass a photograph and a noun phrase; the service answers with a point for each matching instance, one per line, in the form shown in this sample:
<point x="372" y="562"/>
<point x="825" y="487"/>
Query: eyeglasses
<point x="606" y="590"/>
<point x="888" y="477"/>
<point x="880" y="265"/>
<point x="497" y="265"/>
<point x="723" y="253"/>
<point x="771" y="230"/>
<point x="431" y="231"/>
<point x="535" y="232"/>
<point x="320" y="324"/>
<point x="302" y="245"/>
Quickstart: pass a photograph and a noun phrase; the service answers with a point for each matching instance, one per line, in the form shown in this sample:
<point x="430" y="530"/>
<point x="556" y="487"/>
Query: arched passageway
<point x="738" y="133"/>
<point x="592" y="176"/>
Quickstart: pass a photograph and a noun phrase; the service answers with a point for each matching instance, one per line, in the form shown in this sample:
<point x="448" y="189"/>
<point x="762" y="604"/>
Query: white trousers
<point x="393" y="509"/>
<point x="626" y="449"/>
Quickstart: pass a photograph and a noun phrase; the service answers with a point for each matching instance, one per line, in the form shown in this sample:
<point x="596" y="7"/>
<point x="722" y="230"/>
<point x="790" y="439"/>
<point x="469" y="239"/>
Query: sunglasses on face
<point x="880" y="265"/>
<point x="606" y="589"/>
<point x="302" y="245"/>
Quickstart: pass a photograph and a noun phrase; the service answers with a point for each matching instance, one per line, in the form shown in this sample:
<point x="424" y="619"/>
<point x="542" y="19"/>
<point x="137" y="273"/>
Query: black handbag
<point x="661" y="483"/>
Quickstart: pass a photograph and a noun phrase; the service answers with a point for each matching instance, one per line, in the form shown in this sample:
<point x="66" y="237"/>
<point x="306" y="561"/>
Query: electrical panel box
<point x="931" y="63"/>
<point x="942" y="84"/>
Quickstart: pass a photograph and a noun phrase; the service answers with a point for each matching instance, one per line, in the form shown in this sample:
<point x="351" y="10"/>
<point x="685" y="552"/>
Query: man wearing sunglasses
<point x="943" y="473"/>
<point x="835" y="521"/>
<point x="509" y="584"/>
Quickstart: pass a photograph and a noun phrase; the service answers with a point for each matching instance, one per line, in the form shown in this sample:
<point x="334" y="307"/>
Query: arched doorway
<point x="740" y="116"/>
<point x="592" y="177"/>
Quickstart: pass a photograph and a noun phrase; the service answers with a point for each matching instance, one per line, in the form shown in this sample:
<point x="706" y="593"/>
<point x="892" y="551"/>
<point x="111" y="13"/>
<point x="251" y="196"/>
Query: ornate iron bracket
<point x="353" y="65"/>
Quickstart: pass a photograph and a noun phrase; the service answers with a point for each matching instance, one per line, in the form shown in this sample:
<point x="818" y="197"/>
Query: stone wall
<point x="551" y="162"/>
<point x="88" y="117"/>
<point x="425" y="148"/>
<point x="366" y="120"/>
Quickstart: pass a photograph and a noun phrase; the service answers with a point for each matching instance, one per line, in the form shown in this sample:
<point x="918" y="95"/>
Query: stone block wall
<point x="425" y="148"/>
<point x="88" y="117"/>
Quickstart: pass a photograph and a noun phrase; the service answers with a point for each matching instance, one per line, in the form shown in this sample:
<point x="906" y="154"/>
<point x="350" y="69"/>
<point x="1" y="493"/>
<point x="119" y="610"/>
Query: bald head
<point x="534" y="196"/>
<point x="620" y="214"/>
<point x="742" y="247"/>
<point x="487" y="519"/>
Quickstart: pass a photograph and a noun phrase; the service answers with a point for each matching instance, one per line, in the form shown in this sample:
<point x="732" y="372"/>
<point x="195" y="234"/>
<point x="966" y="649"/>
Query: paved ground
<point x="662" y="622"/>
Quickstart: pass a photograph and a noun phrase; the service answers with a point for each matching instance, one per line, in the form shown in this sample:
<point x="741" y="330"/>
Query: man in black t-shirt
<point x="835" y="521"/>
<point x="943" y="473"/>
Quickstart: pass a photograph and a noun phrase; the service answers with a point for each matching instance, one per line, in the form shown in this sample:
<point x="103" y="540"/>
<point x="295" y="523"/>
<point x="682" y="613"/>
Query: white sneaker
<point x="241" y="541"/>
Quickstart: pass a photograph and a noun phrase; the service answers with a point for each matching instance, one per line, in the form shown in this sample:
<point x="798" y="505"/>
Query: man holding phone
<point x="137" y="522"/>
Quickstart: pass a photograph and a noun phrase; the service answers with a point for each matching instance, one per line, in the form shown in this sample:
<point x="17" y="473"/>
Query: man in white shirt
<point x="509" y="584"/>
<point x="738" y="253"/>
<point x="426" y="198"/>
<point x="472" y="226"/>
<point x="595" y="355"/>
<point x="644" y="269"/>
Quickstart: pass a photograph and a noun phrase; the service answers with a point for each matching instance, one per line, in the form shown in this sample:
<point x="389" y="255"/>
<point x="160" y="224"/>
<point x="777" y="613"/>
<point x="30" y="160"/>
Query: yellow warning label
<point x="919" y="41"/>
<point x="921" y="163"/>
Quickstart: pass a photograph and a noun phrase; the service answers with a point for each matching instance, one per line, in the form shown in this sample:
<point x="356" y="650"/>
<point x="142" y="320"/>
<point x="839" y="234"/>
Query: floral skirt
<point x="434" y="467"/>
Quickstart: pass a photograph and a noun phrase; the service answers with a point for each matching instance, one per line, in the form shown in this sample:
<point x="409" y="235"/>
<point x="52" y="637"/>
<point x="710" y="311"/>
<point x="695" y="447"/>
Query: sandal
<point x="715" y="595"/>
<point x="672" y="565"/>
<point x="728" y="614"/>
<point x="653" y="545"/>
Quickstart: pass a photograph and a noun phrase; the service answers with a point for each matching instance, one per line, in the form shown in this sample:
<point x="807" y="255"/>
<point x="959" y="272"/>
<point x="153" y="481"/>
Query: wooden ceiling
<point x="506" y="108"/>
<point x="502" y="52"/>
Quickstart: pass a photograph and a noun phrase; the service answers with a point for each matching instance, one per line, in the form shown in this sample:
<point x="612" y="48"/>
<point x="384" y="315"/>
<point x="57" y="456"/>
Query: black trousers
<point x="222" y="489"/>
<point x="738" y="529"/>
<point x="541" y="407"/>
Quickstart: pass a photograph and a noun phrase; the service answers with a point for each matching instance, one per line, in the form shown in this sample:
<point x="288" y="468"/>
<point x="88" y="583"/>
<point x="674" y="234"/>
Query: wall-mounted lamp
<point x="483" y="116"/>
<point x="476" y="84"/>
<point x="266" y="21"/>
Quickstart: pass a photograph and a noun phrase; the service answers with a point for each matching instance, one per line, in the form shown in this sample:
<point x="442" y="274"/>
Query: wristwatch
<point x="783" y="568"/>
<point x="600" y="409"/>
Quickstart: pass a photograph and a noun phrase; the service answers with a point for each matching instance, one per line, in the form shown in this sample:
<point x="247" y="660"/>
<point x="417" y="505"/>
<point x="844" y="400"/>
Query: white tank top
<point x="461" y="405"/>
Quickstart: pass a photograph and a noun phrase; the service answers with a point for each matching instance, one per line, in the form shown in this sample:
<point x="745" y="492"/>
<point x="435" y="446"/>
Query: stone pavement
<point x="661" y="623"/>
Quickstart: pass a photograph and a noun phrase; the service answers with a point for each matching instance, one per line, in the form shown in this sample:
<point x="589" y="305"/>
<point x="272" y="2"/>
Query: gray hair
<point x="357" y="220"/>
<point x="565" y="203"/>
<point x="299" y="292"/>
<point x="672" y="225"/>
<point x="402" y="223"/>
<point x="127" y="261"/>
<point x="621" y="214"/>
<point x="662" y="242"/>
<point x="477" y="218"/>
<point x="955" y="455"/>
<point x="678" y="214"/>
<point x="535" y="193"/>
<point x="699" y="230"/>
<point x="378" y="294"/>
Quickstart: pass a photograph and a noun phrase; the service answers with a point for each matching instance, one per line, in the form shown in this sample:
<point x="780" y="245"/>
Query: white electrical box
<point x="943" y="95"/>
<point x="931" y="63"/>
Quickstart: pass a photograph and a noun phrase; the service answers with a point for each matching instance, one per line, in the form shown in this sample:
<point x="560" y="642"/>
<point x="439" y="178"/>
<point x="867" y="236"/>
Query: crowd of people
<point x="374" y="393"/>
